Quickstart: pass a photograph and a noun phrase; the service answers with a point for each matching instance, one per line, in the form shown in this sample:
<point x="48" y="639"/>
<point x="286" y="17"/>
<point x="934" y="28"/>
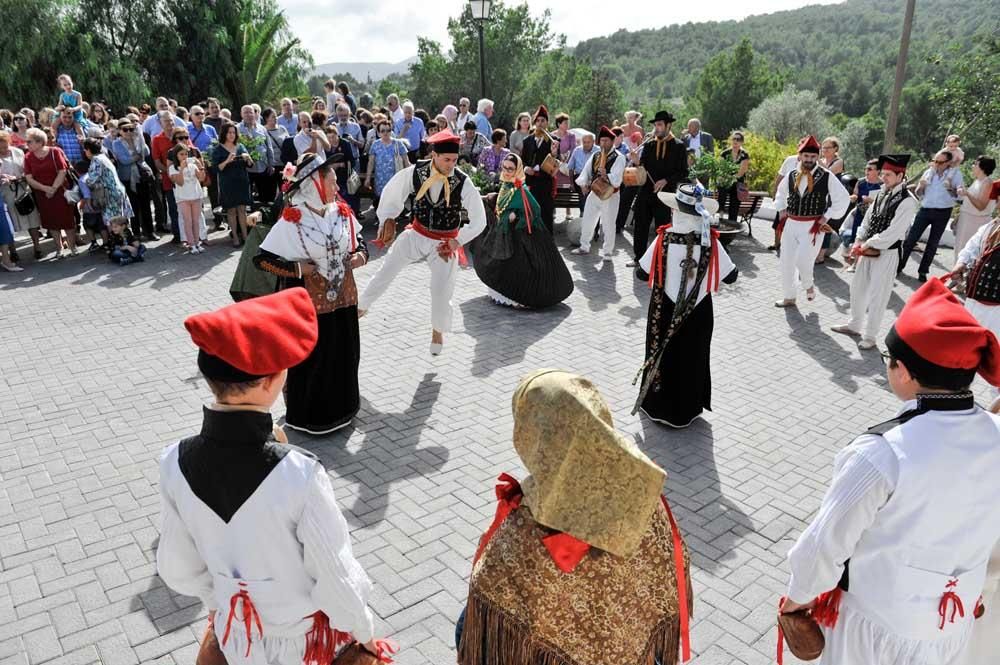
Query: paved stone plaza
<point x="98" y="375"/>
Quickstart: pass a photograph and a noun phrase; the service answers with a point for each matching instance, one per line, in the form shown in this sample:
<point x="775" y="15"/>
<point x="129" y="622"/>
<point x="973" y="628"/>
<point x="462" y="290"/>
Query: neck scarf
<point x="541" y="134"/>
<point x="436" y="176"/>
<point x="808" y="175"/>
<point x="661" y="145"/>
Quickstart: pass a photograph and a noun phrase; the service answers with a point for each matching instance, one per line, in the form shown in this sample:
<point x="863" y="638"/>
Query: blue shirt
<point x="482" y="125"/>
<point x="202" y="138"/>
<point x="152" y="126"/>
<point x="415" y="134"/>
<point x="67" y="140"/>
<point x="579" y="158"/>
<point x="936" y="194"/>
<point x="352" y="129"/>
<point x="291" y="125"/>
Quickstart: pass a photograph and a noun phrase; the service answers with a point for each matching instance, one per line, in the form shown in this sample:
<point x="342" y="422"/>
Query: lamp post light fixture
<point x="480" y="14"/>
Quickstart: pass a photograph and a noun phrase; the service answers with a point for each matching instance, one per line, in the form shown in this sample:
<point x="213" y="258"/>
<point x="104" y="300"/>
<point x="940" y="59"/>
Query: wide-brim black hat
<point x="894" y="162"/>
<point x="664" y="116"/>
<point x="308" y="164"/>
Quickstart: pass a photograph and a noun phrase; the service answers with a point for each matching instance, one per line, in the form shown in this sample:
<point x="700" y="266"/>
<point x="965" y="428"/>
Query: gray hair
<point x="163" y="115"/>
<point x="343" y="107"/>
<point x="196" y="109"/>
<point x="483" y="105"/>
<point x="696" y="121"/>
<point x="407" y="105"/>
<point x="391" y="96"/>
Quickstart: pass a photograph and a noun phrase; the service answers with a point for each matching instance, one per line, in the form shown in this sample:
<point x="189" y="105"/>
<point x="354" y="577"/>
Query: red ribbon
<point x="509" y="496"/>
<point x="656" y="268"/>
<point x="527" y="208"/>
<point x="780" y="659"/>
<point x="682" y="589"/>
<point x="250" y="614"/>
<point x="712" y="278"/>
<point x="385" y="648"/>
<point x="950" y="598"/>
<point x="322" y="641"/>
<point x="566" y="551"/>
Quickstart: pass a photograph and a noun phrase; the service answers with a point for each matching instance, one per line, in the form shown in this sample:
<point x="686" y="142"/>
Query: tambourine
<point x="635" y="176"/>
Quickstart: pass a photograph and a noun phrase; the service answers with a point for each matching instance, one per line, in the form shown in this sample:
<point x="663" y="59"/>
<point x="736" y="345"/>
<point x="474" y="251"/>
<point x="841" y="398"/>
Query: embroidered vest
<point x="596" y="161"/>
<point x="809" y="204"/>
<point x="983" y="283"/>
<point x="883" y="211"/>
<point x="437" y="215"/>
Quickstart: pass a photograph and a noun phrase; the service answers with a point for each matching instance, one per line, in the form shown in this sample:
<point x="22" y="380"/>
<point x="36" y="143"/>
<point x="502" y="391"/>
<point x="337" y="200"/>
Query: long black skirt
<point x="683" y="387"/>
<point x="524" y="267"/>
<point x="322" y="392"/>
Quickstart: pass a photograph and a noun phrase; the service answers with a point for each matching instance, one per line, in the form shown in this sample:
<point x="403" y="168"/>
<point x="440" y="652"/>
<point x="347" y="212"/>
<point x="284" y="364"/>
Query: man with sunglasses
<point x="939" y="186"/>
<point x="288" y="118"/>
<point x="876" y="250"/>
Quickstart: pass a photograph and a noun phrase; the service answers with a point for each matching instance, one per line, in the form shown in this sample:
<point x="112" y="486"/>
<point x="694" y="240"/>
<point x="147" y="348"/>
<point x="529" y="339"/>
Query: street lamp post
<point x="480" y="13"/>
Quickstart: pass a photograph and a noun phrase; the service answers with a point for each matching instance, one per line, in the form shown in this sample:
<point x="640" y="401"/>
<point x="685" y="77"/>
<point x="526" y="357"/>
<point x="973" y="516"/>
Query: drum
<point x="635" y="176"/>
<point x="602" y="187"/>
<point x="550" y="165"/>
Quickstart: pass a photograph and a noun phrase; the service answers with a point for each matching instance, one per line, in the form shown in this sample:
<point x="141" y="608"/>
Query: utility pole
<point x="897" y="88"/>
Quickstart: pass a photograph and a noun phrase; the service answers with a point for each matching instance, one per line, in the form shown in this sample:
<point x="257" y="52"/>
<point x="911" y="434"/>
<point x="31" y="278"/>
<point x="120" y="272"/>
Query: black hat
<point x="308" y="164"/>
<point x="894" y="163"/>
<point x="664" y="116"/>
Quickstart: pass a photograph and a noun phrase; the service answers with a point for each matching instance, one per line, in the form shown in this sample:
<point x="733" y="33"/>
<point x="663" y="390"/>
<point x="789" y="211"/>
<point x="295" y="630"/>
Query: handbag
<point x="742" y="192"/>
<point x="209" y="653"/>
<point x="353" y="182"/>
<point x="399" y="159"/>
<point x="24" y="203"/>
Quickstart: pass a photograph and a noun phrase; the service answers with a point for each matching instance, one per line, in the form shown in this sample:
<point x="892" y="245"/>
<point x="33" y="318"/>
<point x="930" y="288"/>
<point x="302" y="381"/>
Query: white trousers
<point x="409" y="247"/>
<point x="606" y="212"/>
<point x="798" y="254"/>
<point x="871" y="289"/>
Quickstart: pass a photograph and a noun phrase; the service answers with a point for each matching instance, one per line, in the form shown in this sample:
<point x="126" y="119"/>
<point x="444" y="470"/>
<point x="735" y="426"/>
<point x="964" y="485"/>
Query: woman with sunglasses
<point x="131" y="152"/>
<point x="382" y="159"/>
<point x="516" y="257"/>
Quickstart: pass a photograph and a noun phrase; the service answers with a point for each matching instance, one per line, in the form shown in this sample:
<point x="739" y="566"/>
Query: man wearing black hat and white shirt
<point x="665" y="160"/>
<point x="608" y="165"/>
<point x="876" y="250"/>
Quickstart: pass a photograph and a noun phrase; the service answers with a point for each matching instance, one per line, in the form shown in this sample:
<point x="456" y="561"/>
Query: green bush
<point x="766" y="157"/>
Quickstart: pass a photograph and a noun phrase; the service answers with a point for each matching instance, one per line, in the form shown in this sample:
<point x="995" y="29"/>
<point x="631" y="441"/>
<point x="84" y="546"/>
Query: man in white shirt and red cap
<point x="894" y="563"/>
<point x="249" y="524"/>
<point x="806" y="200"/>
<point x="602" y="177"/>
<point x="877" y="249"/>
<point x="439" y="193"/>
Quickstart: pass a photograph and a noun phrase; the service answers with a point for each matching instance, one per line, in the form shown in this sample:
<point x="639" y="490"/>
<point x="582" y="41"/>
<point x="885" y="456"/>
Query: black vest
<point x="983" y="283"/>
<point x="612" y="156"/>
<point x="437" y="215"/>
<point x="809" y="204"/>
<point x="883" y="211"/>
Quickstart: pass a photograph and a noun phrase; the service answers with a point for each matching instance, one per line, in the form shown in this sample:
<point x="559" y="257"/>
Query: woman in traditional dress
<point x="517" y="258"/>
<point x="685" y="265"/>
<point x="317" y="243"/>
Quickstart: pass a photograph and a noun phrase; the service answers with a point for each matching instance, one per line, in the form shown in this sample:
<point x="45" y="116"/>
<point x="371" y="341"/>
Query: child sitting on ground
<point x="123" y="246"/>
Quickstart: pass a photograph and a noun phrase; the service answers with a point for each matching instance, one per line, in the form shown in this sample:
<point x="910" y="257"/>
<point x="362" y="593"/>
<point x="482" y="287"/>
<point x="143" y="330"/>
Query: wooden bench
<point x="747" y="208"/>
<point x="566" y="197"/>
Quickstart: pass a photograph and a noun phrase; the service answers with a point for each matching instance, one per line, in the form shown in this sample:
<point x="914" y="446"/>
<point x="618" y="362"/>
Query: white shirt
<point x="788" y="165"/>
<point x="399" y="188"/>
<point x="839" y="198"/>
<point x="397" y="114"/>
<point x="191" y="189"/>
<point x="900" y="223"/>
<point x="615" y="175"/>
<point x="684" y="223"/>
<point x="694" y="143"/>
<point x="973" y="249"/>
<point x="977" y="189"/>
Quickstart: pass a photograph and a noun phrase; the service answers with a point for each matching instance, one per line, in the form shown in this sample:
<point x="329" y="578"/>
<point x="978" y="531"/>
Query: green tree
<point x="732" y="84"/>
<point x="790" y="115"/>
<point x="968" y="97"/>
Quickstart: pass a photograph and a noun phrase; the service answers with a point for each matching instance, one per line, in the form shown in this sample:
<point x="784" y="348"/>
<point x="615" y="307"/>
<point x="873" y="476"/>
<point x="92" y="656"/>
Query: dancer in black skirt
<point x="516" y="257"/>
<point x="686" y="263"/>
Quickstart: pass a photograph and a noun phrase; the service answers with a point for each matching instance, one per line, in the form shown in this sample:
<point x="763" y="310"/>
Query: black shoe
<point x="94" y="247"/>
<point x="641" y="274"/>
<point x="921" y="277"/>
<point x="161" y="229"/>
<point x="38" y="255"/>
<point x="176" y="240"/>
<point x="13" y="255"/>
<point x="151" y="237"/>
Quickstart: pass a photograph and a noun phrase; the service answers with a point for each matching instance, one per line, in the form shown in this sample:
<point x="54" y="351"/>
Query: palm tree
<point x="260" y="47"/>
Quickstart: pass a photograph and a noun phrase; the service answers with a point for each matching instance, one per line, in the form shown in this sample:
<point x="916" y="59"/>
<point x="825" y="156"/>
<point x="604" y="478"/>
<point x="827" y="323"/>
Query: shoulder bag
<point x="24" y="203"/>
<point x="399" y="158"/>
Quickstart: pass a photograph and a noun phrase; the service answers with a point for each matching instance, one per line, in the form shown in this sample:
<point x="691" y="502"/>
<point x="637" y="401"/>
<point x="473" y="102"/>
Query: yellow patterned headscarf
<point x="586" y="479"/>
<point x="518" y="170"/>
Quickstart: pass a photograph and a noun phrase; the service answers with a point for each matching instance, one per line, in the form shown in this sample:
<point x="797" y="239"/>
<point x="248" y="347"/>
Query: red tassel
<point x="323" y="642"/>
<point x="827" y="608"/>
<point x="682" y="587"/>
<point x="250" y="616"/>
<point x="950" y="598"/>
<point x="656" y="268"/>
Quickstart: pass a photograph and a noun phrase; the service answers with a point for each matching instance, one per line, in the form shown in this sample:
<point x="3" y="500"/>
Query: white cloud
<point x="366" y="31"/>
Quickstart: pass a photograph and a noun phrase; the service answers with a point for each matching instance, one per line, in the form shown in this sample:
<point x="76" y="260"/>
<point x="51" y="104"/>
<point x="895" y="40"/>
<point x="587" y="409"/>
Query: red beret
<point x="542" y="112"/>
<point x="256" y="337"/>
<point x="938" y="337"/>
<point x="444" y="142"/>
<point x="605" y="133"/>
<point x="809" y="144"/>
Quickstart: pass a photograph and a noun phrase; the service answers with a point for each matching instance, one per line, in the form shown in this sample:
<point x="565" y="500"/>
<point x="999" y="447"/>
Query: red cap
<point x="937" y="337"/>
<point x="444" y="142"/>
<point x="256" y="337"/>
<point x="542" y="112"/>
<point x="605" y="133"/>
<point x="809" y="144"/>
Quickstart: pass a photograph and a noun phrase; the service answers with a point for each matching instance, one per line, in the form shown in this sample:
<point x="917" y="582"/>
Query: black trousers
<point x="159" y="206"/>
<point x="265" y="185"/>
<point x="541" y="189"/>
<point x="142" y="220"/>
<point x="648" y="209"/>
<point x="628" y="195"/>
<point x="937" y="219"/>
<point x="729" y="202"/>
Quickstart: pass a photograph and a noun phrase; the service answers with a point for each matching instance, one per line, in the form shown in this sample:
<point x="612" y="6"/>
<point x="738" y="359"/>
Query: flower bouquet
<point x="255" y="145"/>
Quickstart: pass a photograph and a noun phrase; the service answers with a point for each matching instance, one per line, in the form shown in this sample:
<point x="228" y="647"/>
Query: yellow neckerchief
<point x="661" y="145"/>
<point x="436" y="176"/>
<point x="541" y="134"/>
<point x="603" y="161"/>
<point x="808" y="175"/>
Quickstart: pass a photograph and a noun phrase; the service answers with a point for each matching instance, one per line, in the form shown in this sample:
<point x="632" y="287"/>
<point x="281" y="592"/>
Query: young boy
<point x="909" y="521"/>
<point x="123" y="246"/>
<point x="249" y="525"/>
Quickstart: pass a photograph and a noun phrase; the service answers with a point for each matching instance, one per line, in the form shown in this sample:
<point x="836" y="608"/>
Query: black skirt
<point x="524" y="267"/>
<point x="684" y="385"/>
<point x="322" y="392"/>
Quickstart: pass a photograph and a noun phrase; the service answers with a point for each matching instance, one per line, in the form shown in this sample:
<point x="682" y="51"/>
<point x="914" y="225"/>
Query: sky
<point x="386" y="31"/>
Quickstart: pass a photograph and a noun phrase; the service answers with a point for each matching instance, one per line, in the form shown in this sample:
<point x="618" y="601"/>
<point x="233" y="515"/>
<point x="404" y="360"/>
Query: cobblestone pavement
<point x="98" y="375"/>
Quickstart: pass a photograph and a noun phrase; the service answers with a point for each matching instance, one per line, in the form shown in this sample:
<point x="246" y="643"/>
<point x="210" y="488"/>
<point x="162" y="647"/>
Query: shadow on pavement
<point x="504" y="342"/>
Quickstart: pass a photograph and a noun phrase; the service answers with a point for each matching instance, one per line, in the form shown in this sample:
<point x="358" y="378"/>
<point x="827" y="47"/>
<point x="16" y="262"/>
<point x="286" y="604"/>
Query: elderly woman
<point x="46" y="170"/>
<point x="472" y="143"/>
<point x="14" y="186"/>
<point x="490" y="159"/>
<point x="131" y="152"/>
<point x="102" y="175"/>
